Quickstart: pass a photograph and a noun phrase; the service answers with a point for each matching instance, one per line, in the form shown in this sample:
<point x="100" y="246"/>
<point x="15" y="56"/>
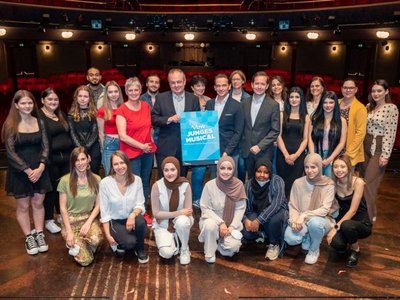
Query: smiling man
<point x="166" y="115"/>
<point x="97" y="90"/>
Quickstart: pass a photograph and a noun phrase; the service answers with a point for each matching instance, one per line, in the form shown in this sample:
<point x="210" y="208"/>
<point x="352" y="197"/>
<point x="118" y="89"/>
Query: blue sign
<point x="200" y="137"/>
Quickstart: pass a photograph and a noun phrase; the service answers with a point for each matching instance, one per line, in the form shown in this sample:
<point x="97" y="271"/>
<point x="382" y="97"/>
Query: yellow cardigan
<point x="356" y="130"/>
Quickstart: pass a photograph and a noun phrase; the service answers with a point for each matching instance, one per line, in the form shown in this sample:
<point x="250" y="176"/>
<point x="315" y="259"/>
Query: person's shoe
<point x="261" y="238"/>
<point x="59" y="219"/>
<point x="312" y="257"/>
<point x="52" y="227"/>
<point x="41" y="243"/>
<point x="196" y="204"/>
<point x="30" y="245"/>
<point x="148" y="219"/>
<point x="184" y="258"/>
<point x="352" y="260"/>
<point x="272" y="252"/>
<point x="142" y="257"/>
<point x="210" y="259"/>
<point x="120" y="251"/>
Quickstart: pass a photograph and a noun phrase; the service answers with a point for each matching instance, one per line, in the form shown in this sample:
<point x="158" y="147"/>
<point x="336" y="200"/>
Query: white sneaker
<point x="59" y="219"/>
<point x="312" y="257"/>
<point x="272" y="252"/>
<point x="210" y="259"/>
<point x="184" y="258"/>
<point x="52" y="227"/>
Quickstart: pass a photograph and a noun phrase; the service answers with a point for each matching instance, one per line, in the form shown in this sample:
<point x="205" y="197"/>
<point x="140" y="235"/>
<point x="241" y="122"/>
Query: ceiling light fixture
<point x="67" y="34"/>
<point x="189" y="36"/>
<point x="251" y="36"/>
<point x="130" y="36"/>
<point x="312" y="35"/>
<point x="382" y="34"/>
<point x="3" y="31"/>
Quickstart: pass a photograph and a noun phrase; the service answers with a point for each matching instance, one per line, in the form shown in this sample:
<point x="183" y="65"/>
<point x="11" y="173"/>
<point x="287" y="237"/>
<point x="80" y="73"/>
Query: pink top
<point x="110" y="127"/>
<point x="138" y="127"/>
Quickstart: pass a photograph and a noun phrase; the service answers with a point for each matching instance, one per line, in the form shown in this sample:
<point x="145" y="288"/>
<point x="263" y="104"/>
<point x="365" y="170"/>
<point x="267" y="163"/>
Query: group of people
<point x="297" y="152"/>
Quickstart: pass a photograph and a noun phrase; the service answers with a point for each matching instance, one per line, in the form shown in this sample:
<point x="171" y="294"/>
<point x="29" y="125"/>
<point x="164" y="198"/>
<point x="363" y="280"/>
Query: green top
<point x="84" y="200"/>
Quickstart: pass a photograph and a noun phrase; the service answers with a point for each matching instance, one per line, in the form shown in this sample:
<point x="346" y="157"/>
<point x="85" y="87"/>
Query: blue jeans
<point x="110" y="145"/>
<point x="327" y="170"/>
<point x="198" y="173"/>
<point x="142" y="166"/>
<point x="310" y="236"/>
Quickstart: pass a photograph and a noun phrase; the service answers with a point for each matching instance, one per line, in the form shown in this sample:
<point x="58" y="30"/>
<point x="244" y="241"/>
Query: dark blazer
<point x="230" y="125"/>
<point x="266" y="127"/>
<point x="169" y="139"/>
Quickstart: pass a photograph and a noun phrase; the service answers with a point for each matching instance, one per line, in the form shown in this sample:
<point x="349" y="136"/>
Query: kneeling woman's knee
<point x="292" y="237"/>
<point x="182" y="222"/>
<point x="166" y="251"/>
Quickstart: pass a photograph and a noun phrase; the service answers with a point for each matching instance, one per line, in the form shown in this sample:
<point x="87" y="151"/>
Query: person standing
<point x="356" y="116"/>
<point x="97" y="89"/>
<point x="166" y="114"/>
<point x="315" y="92"/>
<point x="378" y="144"/>
<point x="27" y="148"/>
<point x="261" y="123"/>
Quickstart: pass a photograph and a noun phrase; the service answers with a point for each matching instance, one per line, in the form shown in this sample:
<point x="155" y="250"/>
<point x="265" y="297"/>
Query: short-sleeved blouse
<point x="110" y="127"/>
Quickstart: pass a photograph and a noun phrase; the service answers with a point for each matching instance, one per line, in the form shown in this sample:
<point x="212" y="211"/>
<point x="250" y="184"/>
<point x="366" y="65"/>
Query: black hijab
<point x="260" y="193"/>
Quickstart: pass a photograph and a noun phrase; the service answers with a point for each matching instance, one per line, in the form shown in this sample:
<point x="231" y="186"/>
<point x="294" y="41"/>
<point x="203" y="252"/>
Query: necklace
<point x="48" y="114"/>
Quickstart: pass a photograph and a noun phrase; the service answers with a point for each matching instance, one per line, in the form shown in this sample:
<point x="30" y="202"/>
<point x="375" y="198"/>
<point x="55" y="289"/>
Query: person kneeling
<point x="311" y="199"/>
<point x="222" y="204"/>
<point x="171" y="202"/>
<point x="122" y="208"/>
<point x="266" y="206"/>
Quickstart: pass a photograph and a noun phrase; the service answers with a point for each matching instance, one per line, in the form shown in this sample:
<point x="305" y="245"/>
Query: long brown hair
<point x="10" y="126"/>
<point x="106" y="102"/>
<point x="372" y="103"/>
<point x="73" y="175"/>
<point x="75" y="110"/>
<point x="309" y="96"/>
<point x="349" y="177"/>
<point x="58" y="111"/>
<point x="129" y="177"/>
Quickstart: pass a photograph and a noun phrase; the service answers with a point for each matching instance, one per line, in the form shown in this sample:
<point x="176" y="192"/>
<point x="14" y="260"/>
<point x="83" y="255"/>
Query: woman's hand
<point x="223" y="230"/>
<point x="111" y="240"/>
<point x="330" y="235"/>
<point x="130" y="222"/>
<point x="85" y="228"/>
<point x="297" y="226"/>
<point x="326" y="162"/>
<point x="186" y="211"/>
<point x="383" y="161"/>
<point x="70" y="239"/>
<point x="147" y="148"/>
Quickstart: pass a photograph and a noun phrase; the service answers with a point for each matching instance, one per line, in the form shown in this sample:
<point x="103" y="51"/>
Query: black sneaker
<point x="352" y="260"/>
<point x="142" y="257"/>
<point x="41" y="243"/>
<point x="30" y="245"/>
<point x="120" y="251"/>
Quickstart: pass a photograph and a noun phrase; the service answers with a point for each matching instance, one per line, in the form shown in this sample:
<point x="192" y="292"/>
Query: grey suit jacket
<point x="266" y="127"/>
<point x="169" y="139"/>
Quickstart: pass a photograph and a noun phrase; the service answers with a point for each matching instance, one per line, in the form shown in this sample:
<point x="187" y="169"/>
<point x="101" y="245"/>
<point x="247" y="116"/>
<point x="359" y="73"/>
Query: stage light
<point x="3" y="31"/>
<point x="130" y="36"/>
<point x="312" y="35"/>
<point x="251" y="36"/>
<point x="67" y="34"/>
<point x="189" y="36"/>
<point x="382" y="34"/>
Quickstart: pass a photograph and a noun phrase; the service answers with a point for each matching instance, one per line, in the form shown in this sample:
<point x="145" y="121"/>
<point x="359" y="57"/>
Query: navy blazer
<point x="266" y="127"/>
<point x="169" y="139"/>
<point x="230" y="125"/>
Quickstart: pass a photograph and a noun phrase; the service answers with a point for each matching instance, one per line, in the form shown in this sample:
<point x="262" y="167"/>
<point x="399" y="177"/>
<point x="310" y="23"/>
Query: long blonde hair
<point x="106" y="102"/>
<point x="75" y="110"/>
<point x="10" y="126"/>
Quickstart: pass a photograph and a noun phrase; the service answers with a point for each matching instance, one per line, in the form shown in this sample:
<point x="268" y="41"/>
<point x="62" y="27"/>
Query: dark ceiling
<point x="332" y="23"/>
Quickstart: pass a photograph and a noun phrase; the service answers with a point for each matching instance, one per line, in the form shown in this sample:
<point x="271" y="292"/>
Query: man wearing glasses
<point x="355" y="114"/>
<point x="93" y="76"/>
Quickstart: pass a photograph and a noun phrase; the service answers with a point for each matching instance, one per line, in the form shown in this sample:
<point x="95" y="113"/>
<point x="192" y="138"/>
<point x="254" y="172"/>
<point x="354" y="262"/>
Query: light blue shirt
<point x="255" y="107"/>
<point x="219" y="105"/>
<point x="179" y="103"/>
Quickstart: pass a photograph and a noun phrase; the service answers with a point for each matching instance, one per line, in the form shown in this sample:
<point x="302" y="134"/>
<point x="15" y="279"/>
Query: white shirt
<point x="179" y="103"/>
<point x="114" y="205"/>
<point x="219" y="105"/>
<point x="255" y="107"/>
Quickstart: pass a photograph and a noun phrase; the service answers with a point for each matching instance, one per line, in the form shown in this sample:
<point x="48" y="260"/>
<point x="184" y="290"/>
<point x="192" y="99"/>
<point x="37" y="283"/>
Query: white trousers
<point x="168" y="243"/>
<point x="209" y="235"/>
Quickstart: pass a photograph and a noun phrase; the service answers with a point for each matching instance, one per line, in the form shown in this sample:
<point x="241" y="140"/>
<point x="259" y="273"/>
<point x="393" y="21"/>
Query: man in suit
<point x="230" y="119"/>
<point x="261" y="123"/>
<point x="166" y="115"/>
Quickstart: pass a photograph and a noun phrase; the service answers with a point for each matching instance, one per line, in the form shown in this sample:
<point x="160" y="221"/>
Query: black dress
<point x="292" y="135"/>
<point x="28" y="151"/>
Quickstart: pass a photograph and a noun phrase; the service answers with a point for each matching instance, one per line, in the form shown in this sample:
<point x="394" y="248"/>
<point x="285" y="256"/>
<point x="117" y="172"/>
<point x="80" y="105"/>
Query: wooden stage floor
<point x="55" y="275"/>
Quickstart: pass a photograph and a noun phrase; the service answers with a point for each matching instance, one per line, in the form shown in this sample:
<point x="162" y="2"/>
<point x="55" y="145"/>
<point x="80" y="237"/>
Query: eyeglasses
<point x="349" y="88"/>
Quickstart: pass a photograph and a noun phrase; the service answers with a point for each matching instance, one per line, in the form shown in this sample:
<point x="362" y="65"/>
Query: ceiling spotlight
<point x="251" y="36"/>
<point x="189" y="36"/>
<point x="382" y="34"/>
<point x="3" y="31"/>
<point x="179" y="45"/>
<point x="130" y="36"/>
<point x="67" y="34"/>
<point x="312" y="35"/>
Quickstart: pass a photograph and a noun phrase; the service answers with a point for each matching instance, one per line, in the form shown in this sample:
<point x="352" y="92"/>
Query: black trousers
<point x="350" y="232"/>
<point x="128" y="240"/>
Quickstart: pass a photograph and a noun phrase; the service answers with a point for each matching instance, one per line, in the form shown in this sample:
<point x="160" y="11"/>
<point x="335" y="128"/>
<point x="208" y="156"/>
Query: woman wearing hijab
<point x="267" y="210"/>
<point x="311" y="200"/>
<point x="222" y="204"/>
<point x="171" y="202"/>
